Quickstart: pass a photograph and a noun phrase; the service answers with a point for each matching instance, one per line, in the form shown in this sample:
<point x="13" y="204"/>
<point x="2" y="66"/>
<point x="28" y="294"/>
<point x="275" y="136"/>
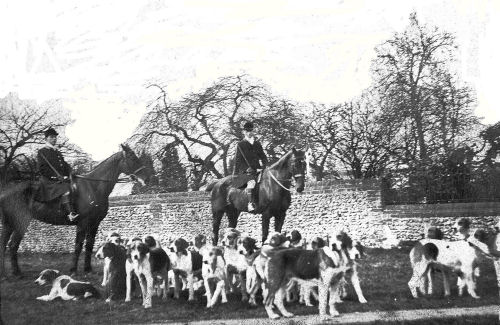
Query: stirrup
<point x="72" y="216"/>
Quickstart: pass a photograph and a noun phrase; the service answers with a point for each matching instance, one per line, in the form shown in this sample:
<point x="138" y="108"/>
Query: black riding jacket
<point x="56" y="159"/>
<point x="249" y="155"/>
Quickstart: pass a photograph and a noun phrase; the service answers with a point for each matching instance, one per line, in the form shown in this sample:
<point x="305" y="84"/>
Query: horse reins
<point x="288" y="180"/>
<point x="120" y="180"/>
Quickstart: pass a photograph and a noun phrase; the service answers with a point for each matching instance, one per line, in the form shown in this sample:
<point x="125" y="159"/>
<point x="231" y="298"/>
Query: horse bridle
<point x="294" y="176"/>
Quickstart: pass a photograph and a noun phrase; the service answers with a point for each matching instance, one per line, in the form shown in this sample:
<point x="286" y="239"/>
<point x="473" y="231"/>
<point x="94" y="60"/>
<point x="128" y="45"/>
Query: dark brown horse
<point x="273" y="194"/>
<point x="17" y="207"/>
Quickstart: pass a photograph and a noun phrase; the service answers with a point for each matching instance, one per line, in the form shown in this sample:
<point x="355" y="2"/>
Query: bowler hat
<point x="50" y="131"/>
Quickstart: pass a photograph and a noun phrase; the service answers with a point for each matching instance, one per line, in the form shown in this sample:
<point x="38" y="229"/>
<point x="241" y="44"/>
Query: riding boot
<point x="72" y="215"/>
<point x="251" y="203"/>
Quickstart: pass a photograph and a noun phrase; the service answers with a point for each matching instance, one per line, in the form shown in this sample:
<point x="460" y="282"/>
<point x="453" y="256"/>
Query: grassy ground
<point x="384" y="275"/>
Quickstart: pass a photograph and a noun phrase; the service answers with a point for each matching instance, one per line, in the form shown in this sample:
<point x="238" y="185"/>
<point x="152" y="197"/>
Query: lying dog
<point x="65" y="287"/>
<point x="116" y="239"/>
<point x="298" y="264"/>
<point x="448" y="256"/>
<point x="214" y="271"/>
<point x="185" y="264"/>
<point x="117" y="275"/>
<point x="149" y="263"/>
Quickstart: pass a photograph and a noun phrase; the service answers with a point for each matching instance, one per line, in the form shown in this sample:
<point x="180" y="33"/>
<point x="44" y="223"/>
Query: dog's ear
<point x="143" y="248"/>
<point x="253" y="243"/>
<point x="360" y="248"/>
<point x="181" y="244"/>
<point x="481" y="235"/>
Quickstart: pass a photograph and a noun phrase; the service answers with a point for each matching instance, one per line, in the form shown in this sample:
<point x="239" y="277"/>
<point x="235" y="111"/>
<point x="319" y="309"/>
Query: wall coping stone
<point x="314" y="187"/>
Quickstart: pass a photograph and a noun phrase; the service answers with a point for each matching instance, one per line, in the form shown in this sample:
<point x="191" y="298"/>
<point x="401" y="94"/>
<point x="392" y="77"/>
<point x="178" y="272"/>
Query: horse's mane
<point x="110" y="158"/>
<point x="281" y="161"/>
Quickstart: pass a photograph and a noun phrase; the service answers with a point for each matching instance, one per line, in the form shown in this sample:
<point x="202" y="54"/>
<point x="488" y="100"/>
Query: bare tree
<point x="412" y="73"/>
<point x="206" y="125"/>
<point x="22" y="126"/>
<point x="323" y="136"/>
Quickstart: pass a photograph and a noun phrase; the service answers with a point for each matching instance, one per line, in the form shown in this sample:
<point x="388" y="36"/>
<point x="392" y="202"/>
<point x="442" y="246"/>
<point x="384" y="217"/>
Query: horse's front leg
<point x="279" y="221"/>
<point x="216" y="220"/>
<point x="4" y="239"/>
<point x="15" y="241"/>
<point x="266" y="217"/>
<point x="80" y="236"/>
<point x="89" y="246"/>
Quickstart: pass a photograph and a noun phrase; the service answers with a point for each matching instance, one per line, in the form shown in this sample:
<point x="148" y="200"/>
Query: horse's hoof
<point x="73" y="270"/>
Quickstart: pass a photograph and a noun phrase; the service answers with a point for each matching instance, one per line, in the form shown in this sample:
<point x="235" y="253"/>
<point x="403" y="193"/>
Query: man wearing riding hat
<point x="54" y="173"/>
<point x="249" y="158"/>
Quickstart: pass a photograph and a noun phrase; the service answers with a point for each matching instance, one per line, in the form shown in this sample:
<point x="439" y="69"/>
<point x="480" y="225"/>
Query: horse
<point x="273" y="194"/>
<point x="90" y="197"/>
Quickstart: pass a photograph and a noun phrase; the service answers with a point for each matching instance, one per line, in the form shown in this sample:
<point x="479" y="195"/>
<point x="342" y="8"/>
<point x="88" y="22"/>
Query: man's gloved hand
<point x="250" y="170"/>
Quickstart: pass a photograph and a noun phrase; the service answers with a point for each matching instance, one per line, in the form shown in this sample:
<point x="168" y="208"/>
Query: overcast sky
<point x="98" y="55"/>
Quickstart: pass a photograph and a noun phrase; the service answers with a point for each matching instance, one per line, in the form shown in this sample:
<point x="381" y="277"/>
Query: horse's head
<point x="298" y="168"/>
<point x="132" y="166"/>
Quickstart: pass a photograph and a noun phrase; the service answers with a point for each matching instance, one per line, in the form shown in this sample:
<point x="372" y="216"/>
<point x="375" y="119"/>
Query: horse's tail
<point x="17" y="189"/>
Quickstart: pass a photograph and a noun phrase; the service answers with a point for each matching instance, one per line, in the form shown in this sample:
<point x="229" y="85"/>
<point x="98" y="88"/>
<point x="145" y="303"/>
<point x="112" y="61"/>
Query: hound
<point x="214" y="271"/>
<point x="185" y="264"/>
<point x="116" y="239"/>
<point x="449" y="256"/>
<point x="64" y="287"/>
<point x="298" y="264"/>
<point x="149" y="263"/>
<point x="116" y="283"/>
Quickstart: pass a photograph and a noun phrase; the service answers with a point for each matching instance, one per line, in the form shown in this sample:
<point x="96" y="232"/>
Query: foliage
<point x="421" y="93"/>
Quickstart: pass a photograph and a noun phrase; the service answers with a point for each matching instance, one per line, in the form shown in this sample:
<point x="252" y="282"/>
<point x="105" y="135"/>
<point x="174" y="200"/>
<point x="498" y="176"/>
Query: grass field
<point x="384" y="275"/>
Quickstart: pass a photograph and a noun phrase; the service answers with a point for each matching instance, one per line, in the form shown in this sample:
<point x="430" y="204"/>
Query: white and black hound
<point x="353" y="253"/>
<point x="449" y="256"/>
<point x="214" y="274"/>
<point x="185" y="264"/>
<point x="148" y="264"/>
<point x="117" y="256"/>
<point x="64" y="287"/>
<point x="116" y="239"/>
<point x="284" y="265"/>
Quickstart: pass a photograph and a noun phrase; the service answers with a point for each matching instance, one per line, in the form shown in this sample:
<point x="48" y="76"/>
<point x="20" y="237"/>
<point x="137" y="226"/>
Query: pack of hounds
<point x="283" y="269"/>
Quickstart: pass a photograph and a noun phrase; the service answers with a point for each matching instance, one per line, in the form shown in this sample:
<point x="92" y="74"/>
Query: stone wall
<point x="323" y="208"/>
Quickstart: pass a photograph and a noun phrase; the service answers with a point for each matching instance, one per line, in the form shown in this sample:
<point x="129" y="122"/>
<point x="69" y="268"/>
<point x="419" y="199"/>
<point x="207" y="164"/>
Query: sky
<point x="97" y="56"/>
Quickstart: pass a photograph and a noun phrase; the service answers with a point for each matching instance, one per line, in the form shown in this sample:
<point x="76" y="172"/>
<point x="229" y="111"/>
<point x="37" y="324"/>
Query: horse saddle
<point x="47" y="190"/>
<point x="239" y="198"/>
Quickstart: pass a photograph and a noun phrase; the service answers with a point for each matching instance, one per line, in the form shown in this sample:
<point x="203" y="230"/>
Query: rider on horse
<point x="55" y="173"/>
<point x="248" y="160"/>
